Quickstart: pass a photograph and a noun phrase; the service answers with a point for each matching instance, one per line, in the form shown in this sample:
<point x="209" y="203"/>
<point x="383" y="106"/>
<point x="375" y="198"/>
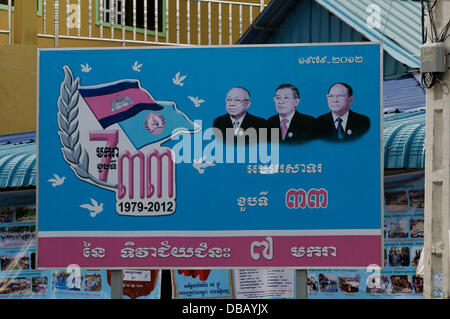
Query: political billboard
<point x="210" y="157"/>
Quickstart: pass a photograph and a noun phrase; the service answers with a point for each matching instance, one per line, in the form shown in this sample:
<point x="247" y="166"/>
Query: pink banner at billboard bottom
<point x="210" y="252"/>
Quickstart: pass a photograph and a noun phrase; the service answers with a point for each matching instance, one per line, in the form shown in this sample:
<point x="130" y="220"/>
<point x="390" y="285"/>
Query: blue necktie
<point x="340" y="130"/>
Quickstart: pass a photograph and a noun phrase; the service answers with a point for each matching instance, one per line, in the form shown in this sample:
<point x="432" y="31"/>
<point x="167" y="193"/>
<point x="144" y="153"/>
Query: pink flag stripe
<point x="211" y="252"/>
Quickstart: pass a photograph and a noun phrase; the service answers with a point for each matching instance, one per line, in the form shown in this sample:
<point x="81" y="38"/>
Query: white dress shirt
<point x="239" y="123"/>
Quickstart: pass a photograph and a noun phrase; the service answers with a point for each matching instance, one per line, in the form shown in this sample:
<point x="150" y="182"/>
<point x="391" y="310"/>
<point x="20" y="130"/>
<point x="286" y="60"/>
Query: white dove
<point x="196" y="100"/>
<point x="85" y="68"/>
<point x="95" y="208"/>
<point x="57" y="181"/>
<point x="200" y="165"/>
<point x="136" y="67"/>
<point x="177" y="80"/>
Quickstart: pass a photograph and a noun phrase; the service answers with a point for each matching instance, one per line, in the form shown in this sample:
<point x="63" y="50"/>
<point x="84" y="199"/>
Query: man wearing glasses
<point x="294" y="127"/>
<point x="238" y="120"/>
<point x="341" y="123"/>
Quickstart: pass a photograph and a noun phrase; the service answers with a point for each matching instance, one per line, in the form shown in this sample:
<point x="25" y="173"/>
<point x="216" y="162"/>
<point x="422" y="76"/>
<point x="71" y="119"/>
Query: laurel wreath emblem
<point x="69" y="135"/>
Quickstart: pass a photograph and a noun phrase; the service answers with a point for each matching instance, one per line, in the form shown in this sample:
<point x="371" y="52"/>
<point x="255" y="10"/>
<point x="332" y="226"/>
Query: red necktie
<point x="284" y="128"/>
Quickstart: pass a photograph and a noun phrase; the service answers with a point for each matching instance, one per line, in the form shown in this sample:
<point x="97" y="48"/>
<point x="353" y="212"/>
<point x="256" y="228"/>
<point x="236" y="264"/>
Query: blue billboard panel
<point x="239" y="156"/>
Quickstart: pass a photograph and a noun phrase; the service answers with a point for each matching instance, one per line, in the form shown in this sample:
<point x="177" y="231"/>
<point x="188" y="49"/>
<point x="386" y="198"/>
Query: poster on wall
<point x="265" y="283"/>
<point x="202" y="283"/>
<point x="403" y="244"/>
<point x="72" y="283"/>
<point x="19" y="276"/>
<point x="210" y="157"/>
<point x="140" y="284"/>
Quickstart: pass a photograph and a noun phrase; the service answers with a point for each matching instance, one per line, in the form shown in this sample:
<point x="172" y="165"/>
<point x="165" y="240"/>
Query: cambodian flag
<point x="150" y="126"/>
<point x="118" y="101"/>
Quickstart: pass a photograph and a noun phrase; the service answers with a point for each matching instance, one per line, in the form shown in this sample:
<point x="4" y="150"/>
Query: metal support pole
<point x="56" y="21"/>
<point x="9" y="22"/>
<point x="116" y="284"/>
<point x="302" y="284"/>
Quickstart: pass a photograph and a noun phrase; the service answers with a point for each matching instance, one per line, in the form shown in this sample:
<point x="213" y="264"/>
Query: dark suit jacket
<point x="223" y="122"/>
<point x="301" y="129"/>
<point x="357" y="125"/>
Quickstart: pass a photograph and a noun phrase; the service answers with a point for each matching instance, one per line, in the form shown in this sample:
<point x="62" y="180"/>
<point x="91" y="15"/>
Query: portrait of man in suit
<point x="238" y="120"/>
<point x="294" y="127"/>
<point x="341" y="123"/>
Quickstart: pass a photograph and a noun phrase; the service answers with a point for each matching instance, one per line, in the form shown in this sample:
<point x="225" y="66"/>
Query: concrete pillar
<point x="437" y="176"/>
<point x="25" y="22"/>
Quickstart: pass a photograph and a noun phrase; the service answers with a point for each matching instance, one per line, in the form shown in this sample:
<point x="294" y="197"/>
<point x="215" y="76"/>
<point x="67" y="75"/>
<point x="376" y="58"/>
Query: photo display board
<point x="19" y="276"/>
<point x="210" y="157"/>
<point x="403" y="245"/>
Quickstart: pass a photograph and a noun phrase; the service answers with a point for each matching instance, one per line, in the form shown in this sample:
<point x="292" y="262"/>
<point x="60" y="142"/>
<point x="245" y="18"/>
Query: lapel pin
<point x="290" y="134"/>
<point x="349" y="132"/>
